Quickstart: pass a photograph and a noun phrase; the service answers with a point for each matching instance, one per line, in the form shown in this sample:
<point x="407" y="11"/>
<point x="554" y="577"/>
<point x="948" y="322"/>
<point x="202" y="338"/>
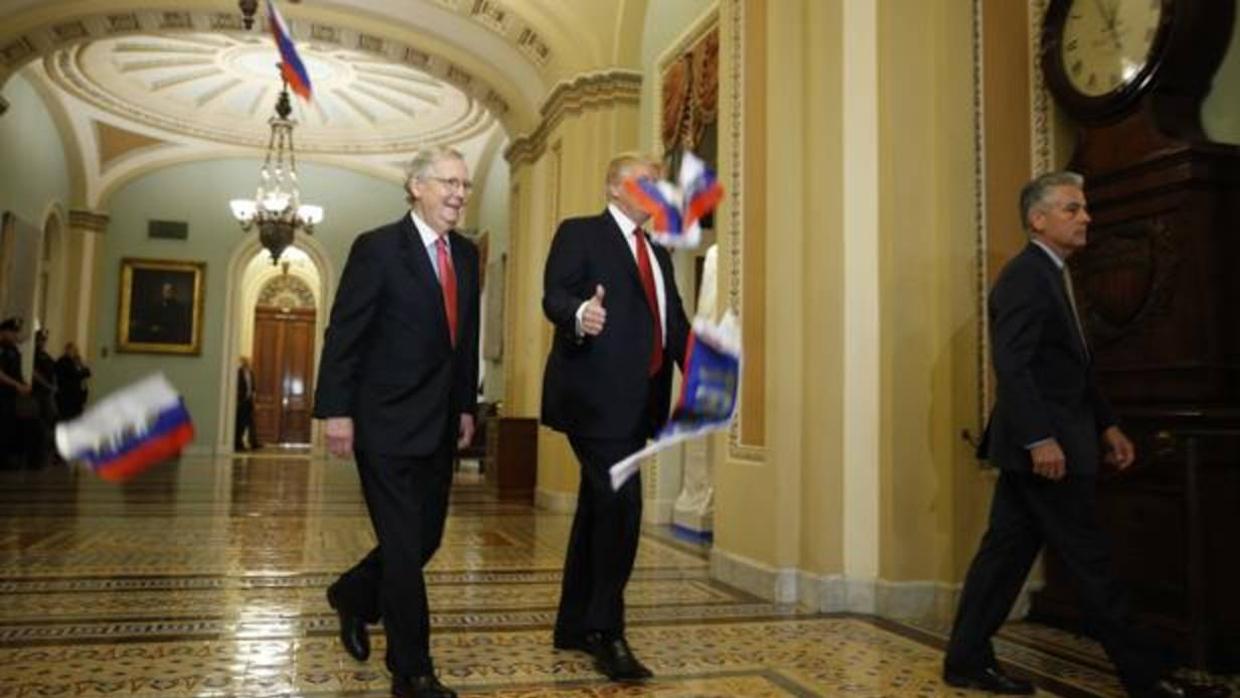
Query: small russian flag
<point x="701" y="190"/>
<point x="676" y="212"/>
<point x="130" y="430"/>
<point x="659" y="200"/>
<point x="291" y="67"/>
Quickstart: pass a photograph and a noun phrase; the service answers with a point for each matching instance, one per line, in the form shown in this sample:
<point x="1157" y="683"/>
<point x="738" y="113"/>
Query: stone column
<point x="84" y="249"/>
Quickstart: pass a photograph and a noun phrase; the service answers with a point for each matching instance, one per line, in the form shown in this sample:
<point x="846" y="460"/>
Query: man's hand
<point x="339" y="432"/>
<point x="1120" y="452"/>
<point x="466" y="433"/>
<point x="594" y="316"/>
<point x="1048" y="460"/>
<point x="23" y="388"/>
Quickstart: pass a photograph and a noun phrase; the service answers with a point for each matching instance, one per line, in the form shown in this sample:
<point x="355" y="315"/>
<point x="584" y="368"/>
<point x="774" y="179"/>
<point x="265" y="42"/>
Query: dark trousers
<point x="603" y="543"/>
<point x="1027" y="512"/>
<point x="408" y="502"/>
<point x="245" y="424"/>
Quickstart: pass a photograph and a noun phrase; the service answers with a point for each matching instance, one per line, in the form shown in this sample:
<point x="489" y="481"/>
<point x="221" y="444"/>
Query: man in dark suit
<point x="246" y="390"/>
<point x="1048" y="432"/>
<point x="397" y="387"/>
<point x="619" y="327"/>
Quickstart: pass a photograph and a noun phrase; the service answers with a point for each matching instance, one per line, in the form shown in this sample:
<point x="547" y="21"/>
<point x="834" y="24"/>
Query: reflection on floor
<point x="206" y="578"/>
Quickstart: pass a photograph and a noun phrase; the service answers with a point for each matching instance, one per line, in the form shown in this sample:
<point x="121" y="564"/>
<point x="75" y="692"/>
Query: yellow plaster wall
<point x="780" y="505"/>
<point x="928" y="250"/>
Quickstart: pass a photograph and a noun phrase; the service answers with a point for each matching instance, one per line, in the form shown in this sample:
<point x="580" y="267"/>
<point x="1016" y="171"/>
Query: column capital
<point x="91" y="221"/>
<point x="589" y="90"/>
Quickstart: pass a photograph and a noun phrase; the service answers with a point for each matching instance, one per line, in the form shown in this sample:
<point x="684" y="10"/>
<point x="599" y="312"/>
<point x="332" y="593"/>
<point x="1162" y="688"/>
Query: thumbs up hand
<point x="594" y="315"/>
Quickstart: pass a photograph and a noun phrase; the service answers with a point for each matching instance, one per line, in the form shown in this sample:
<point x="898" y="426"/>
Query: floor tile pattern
<point x="205" y="578"/>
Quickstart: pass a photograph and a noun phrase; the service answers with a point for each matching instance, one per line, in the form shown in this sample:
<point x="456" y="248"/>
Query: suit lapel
<point x="415" y="259"/>
<point x="1055" y="276"/>
<point x="618" y="248"/>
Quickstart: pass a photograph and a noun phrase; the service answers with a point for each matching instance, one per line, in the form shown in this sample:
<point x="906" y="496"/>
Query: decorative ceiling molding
<point x="204" y="85"/>
<point x="90" y="221"/>
<point x="65" y="37"/>
<point x="572" y="97"/>
<point x="114" y="143"/>
<point x="499" y="18"/>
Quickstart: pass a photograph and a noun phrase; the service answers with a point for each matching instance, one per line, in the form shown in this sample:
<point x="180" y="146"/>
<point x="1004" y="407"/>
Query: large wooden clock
<point x="1159" y="289"/>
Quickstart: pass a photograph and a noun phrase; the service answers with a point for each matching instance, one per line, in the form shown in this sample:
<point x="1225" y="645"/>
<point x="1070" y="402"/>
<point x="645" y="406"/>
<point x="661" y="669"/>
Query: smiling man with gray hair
<point x="397" y="388"/>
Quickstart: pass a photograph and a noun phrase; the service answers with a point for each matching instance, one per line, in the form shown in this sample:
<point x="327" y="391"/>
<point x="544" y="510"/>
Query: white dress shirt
<point x="429" y="238"/>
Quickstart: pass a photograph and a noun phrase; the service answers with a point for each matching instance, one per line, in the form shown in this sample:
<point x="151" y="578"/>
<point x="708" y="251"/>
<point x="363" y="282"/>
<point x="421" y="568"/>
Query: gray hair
<point x="1037" y="190"/>
<point x="425" y="159"/>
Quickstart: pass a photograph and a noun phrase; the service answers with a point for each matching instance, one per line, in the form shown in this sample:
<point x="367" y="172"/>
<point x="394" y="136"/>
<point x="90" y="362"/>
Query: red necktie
<point x="646" y="272"/>
<point x="447" y="282"/>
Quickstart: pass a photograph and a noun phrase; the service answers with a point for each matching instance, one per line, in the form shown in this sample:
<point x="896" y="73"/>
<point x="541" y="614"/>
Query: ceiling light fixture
<point x="276" y="209"/>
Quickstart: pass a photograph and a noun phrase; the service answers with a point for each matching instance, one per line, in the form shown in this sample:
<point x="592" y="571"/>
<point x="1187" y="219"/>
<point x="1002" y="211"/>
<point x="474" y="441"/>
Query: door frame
<point x="235" y="315"/>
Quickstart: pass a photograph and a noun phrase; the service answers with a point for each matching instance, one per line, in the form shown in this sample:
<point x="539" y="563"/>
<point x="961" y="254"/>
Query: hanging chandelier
<point x="276" y="208"/>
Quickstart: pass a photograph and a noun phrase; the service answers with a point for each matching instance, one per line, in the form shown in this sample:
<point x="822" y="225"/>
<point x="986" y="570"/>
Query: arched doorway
<point x="283" y="358"/>
<point x="249" y="272"/>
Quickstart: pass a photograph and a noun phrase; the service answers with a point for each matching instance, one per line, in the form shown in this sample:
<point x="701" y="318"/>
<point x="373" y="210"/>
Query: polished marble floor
<point x="205" y="578"/>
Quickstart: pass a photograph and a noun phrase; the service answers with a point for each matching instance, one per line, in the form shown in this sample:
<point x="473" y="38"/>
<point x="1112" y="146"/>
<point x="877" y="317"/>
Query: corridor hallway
<point x="206" y="578"/>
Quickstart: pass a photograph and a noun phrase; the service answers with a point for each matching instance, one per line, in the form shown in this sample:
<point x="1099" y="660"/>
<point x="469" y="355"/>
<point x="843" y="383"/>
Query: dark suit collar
<point x="1054" y="273"/>
<point x="416" y="260"/>
<point x="614" y="239"/>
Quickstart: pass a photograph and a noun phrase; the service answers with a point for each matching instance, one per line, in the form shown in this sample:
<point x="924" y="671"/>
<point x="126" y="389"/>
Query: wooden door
<point x="283" y="374"/>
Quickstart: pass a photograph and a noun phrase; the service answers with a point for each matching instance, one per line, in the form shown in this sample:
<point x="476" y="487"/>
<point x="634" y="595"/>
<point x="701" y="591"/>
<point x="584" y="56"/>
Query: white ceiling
<point x="223" y="87"/>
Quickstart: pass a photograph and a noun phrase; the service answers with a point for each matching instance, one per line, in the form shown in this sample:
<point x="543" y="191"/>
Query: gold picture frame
<point x="160" y="309"/>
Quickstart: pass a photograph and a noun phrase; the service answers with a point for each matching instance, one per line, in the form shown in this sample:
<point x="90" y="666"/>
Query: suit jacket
<point x="599" y="386"/>
<point x="388" y="360"/>
<point x="1045" y="381"/>
<point x="245" y="385"/>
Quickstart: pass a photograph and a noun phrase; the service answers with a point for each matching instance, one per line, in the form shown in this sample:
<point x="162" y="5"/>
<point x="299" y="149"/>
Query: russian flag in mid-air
<point x="708" y="391"/>
<point x="676" y="212"/>
<point x="130" y="430"/>
<point x="291" y="67"/>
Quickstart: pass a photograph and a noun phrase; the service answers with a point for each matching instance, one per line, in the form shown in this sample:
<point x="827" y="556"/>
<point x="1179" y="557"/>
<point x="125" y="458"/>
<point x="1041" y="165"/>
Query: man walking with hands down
<point x="1049" y="430"/>
<point x="619" y="326"/>
<point x="397" y="386"/>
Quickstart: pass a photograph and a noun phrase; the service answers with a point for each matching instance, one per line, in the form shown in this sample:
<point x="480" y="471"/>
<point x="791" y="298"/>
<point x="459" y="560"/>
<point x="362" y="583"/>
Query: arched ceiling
<point x="140" y="84"/>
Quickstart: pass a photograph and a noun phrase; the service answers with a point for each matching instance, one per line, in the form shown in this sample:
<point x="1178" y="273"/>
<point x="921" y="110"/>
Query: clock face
<point x="1107" y="43"/>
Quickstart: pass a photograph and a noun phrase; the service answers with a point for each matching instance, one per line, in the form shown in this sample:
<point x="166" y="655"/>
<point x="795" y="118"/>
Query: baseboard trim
<point x="835" y="593"/>
<point x="559" y="502"/>
<point x="658" y="511"/>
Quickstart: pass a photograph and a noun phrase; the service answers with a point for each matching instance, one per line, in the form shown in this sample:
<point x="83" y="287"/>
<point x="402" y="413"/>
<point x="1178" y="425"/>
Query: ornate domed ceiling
<point x="210" y="86"/>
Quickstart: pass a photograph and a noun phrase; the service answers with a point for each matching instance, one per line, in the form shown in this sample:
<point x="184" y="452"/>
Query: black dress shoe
<point x="1175" y="688"/>
<point x="353" y="633"/>
<point x="426" y="686"/>
<point x="990" y="679"/>
<point x="614" y="659"/>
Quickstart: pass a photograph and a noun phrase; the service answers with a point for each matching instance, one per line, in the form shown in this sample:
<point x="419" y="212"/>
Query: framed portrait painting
<point x="160" y="306"/>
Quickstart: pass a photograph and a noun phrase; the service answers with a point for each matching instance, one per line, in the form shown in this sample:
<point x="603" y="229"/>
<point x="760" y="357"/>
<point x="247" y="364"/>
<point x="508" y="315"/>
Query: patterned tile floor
<point x="205" y="578"/>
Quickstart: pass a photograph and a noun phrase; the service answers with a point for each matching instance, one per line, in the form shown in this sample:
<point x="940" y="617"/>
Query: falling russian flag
<point x="128" y="431"/>
<point x="291" y="67"/>
<point x="708" y="392"/>
<point x="700" y="189"/>
<point x="676" y="211"/>
<point x="658" y="199"/>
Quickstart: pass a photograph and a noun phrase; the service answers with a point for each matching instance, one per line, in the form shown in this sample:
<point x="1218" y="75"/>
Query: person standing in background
<point x="71" y="377"/>
<point x="246" y="389"/>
